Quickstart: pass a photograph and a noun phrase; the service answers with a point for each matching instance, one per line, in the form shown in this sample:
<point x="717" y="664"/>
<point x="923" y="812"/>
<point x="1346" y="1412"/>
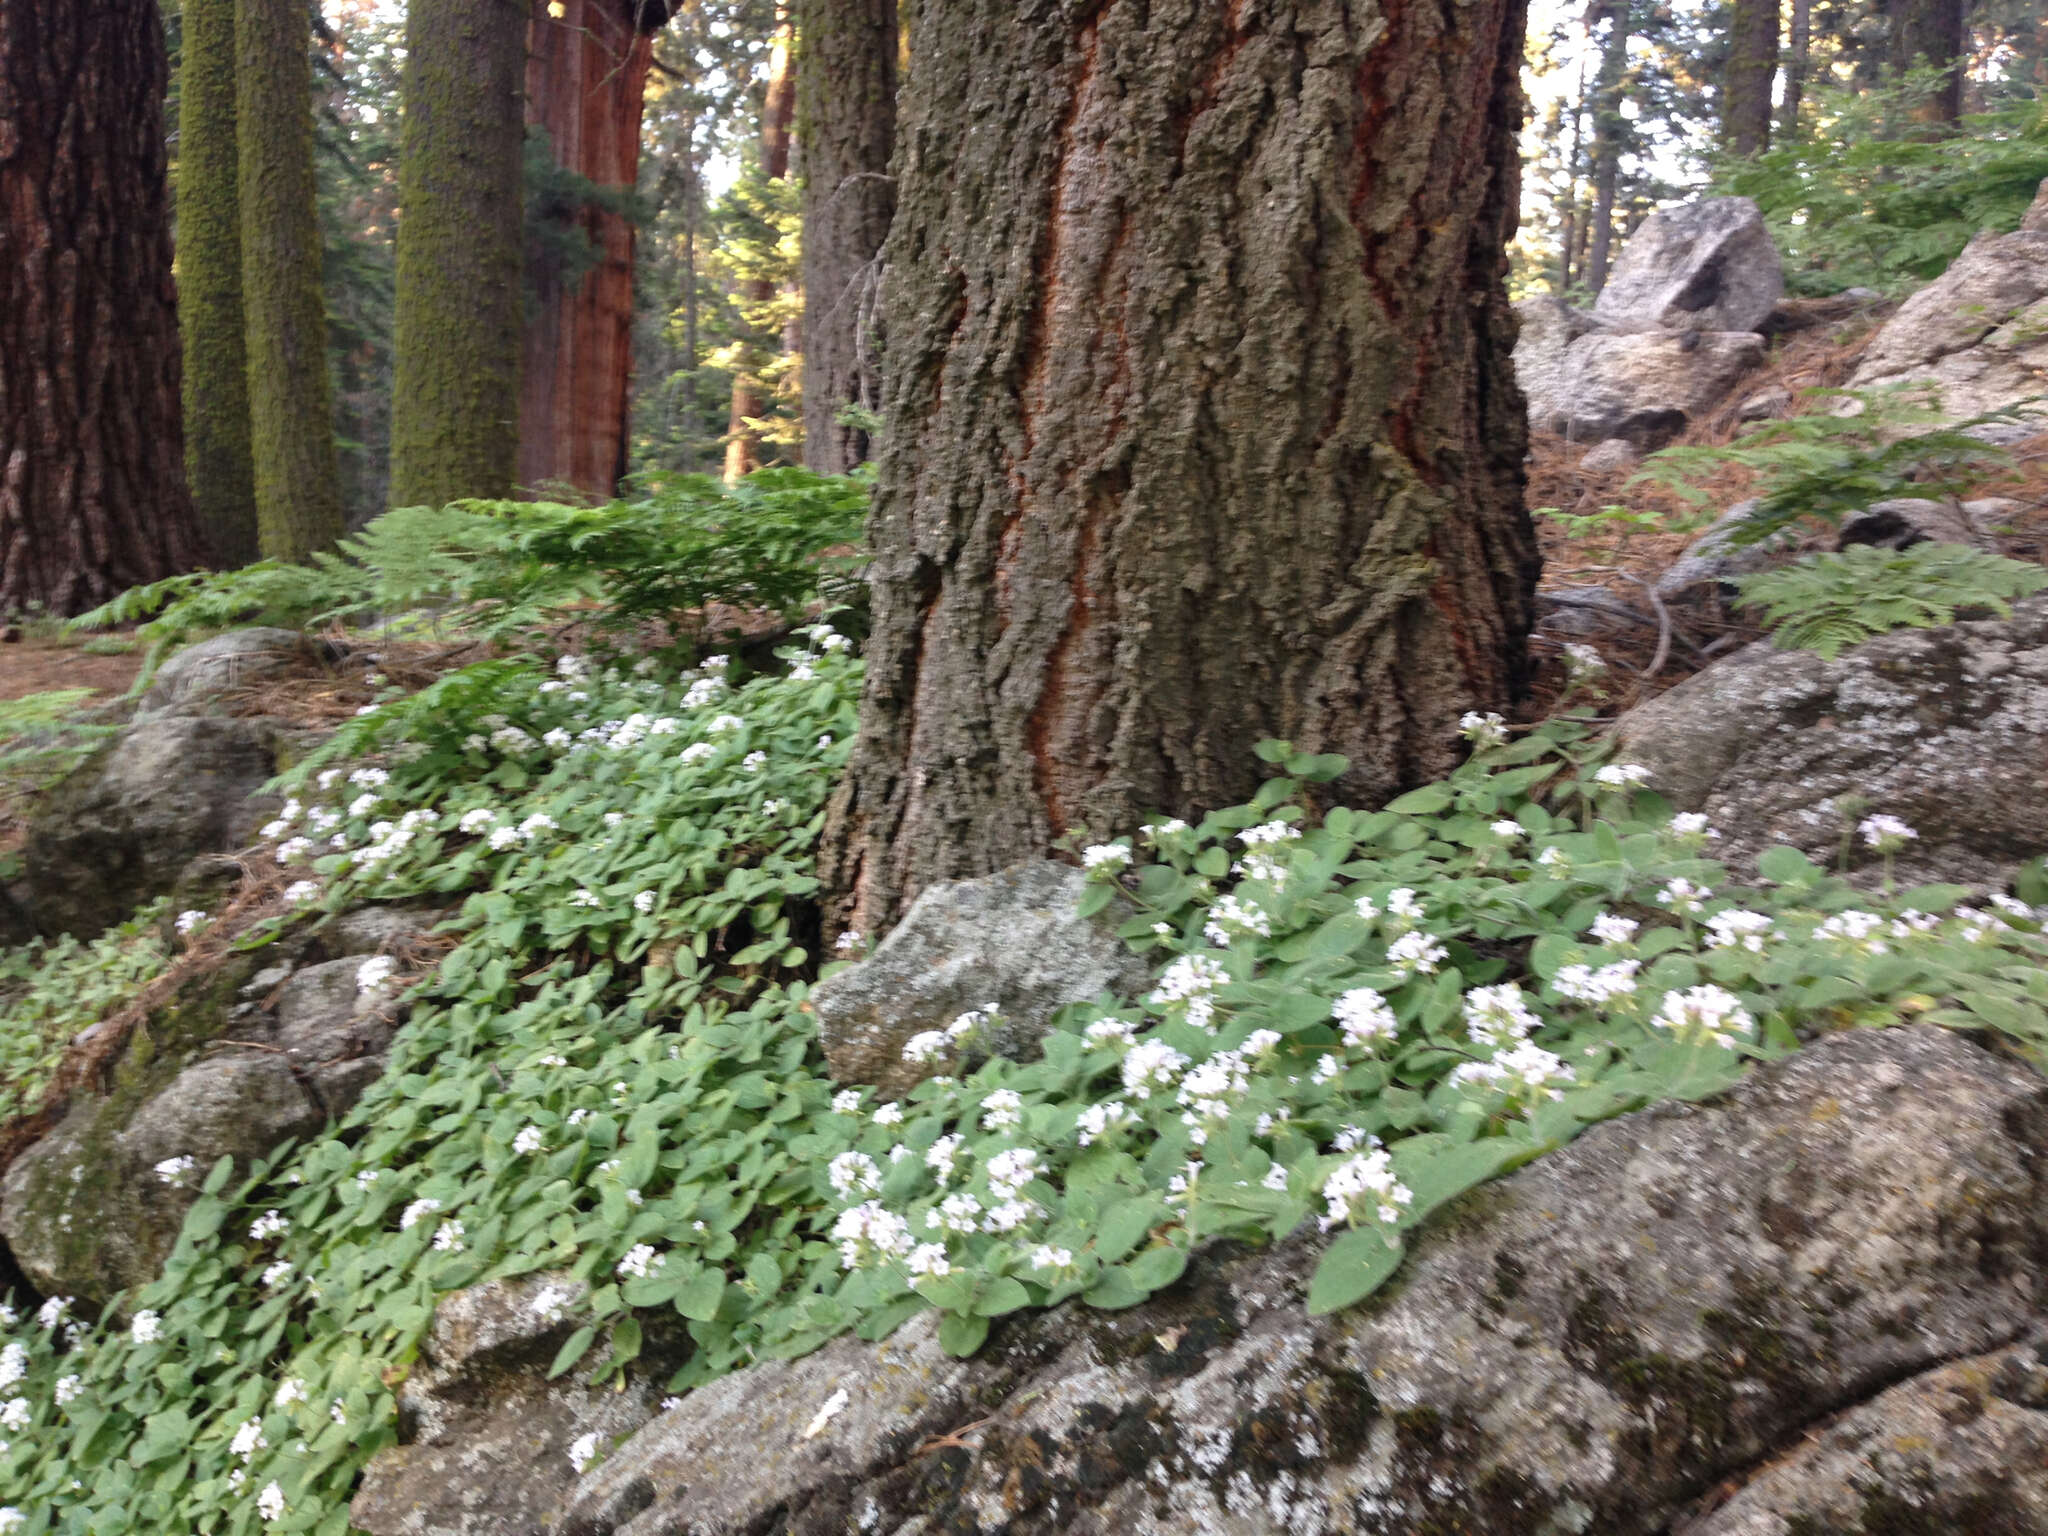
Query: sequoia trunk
<point x="1798" y="48"/>
<point x="846" y="124"/>
<point x="455" y="390"/>
<point x="1930" y="33"/>
<point x="1202" y="421"/>
<point x="217" y="451"/>
<point x="1752" y="66"/>
<point x="92" y="478"/>
<point x="586" y="77"/>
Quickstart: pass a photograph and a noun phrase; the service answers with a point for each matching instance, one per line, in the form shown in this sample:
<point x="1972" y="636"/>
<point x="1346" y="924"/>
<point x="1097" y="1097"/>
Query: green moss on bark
<point x="298" y="490"/>
<point x="455" y="398"/>
<point x="216" y="391"/>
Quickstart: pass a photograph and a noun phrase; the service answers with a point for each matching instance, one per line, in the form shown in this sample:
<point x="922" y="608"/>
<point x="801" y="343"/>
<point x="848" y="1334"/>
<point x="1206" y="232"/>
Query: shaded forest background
<point x="1633" y="104"/>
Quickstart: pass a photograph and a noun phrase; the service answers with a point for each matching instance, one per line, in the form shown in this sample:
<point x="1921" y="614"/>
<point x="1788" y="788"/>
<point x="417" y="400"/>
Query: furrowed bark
<point x="92" y="477"/>
<point x="1202" y="420"/>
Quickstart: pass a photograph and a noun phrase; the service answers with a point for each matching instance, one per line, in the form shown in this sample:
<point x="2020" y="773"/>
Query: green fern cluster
<point x="1827" y="602"/>
<point x="497" y="569"/>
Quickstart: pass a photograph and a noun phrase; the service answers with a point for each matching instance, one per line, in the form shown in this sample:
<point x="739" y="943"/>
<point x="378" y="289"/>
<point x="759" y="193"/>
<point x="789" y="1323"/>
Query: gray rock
<point x="1764" y="405"/>
<point x="198" y="675"/>
<point x="331" y="1032"/>
<point x="84" y="1211"/>
<point x="1610" y="456"/>
<point x="1714" y="559"/>
<point x="1902" y="522"/>
<point x="1978" y="333"/>
<point x="488" y="1437"/>
<point x="121" y="829"/>
<point x="1643" y="388"/>
<point x="1703" y="266"/>
<point x="1947" y="728"/>
<point x="1582" y="1347"/>
<point x="1547" y="328"/>
<point x="1013" y="939"/>
<point x="1962" y="1449"/>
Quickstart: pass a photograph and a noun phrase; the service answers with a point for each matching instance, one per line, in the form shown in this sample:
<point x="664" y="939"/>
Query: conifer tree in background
<point x="1610" y="132"/>
<point x="455" y="395"/>
<point x="1203" y="425"/>
<point x="846" y="131"/>
<point x="1798" y="61"/>
<point x="586" y="80"/>
<point x="216" y="393"/>
<point x="749" y="392"/>
<point x="92" y="475"/>
<point x="1929" y="34"/>
<point x="1747" y="78"/>
<point x="298" y="489"/>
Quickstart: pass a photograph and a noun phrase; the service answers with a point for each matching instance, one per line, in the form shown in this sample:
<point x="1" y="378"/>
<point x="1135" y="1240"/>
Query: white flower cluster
<point x="1365" y="1019"/>
<point x="1363" y="1188"/>
<point x="1739" y="928"/>
<point x="1886" y="834"/>
<point x="1706" y="1014"/>
<point x="1231" y="918"/>
<point x="1191" y="980"/>
<point x="1604" y="987"/>
<point x="1487" y="730"/>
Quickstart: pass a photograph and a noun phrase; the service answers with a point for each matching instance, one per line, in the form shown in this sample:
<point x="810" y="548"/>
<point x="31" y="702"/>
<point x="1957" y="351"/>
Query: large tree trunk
<point x="1609" y="130"/>
<point x="217" y="449"/>
<point x="586" y="77"/>
<point x="1202" y="422"/>
<point x="1746" y="84"/>
<point x="846" y="124"/>
<point x="284" y="300"/>
<point x="1798" y="52"/>
<point x="92" y="478"/>
<point x="749" y="394"/>
<point x="1930" y="32"/>
<point x="455" y="393"/>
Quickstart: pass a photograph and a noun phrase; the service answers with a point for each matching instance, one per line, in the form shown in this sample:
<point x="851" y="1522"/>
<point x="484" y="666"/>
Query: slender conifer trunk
<point x="284" y="301"/>
<point x="846" y="126"/>
<point x="455" y="391"/>
<point x="1751" y="70"/>
<point x="749" y="394"/>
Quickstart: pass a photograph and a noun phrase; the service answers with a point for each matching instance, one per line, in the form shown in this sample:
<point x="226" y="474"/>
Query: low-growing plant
<point x="52" y="989"/>
<point x="499" y="570"/>
<point x="613" y="1079"/>
<point x="1826" y="602"/>
<point x="1857" y="447"/>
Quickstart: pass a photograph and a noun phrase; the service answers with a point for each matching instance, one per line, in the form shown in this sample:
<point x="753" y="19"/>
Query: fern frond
<point x="1829" y="602"/>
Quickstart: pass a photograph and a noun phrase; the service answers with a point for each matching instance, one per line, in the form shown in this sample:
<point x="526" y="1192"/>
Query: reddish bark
<point x="586" y="76"/>
<point x="92" y="476"/>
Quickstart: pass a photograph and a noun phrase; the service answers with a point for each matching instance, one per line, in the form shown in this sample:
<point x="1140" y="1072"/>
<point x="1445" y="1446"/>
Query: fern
<point x="1827" y="602"/>
<point x="1863" y="446"/>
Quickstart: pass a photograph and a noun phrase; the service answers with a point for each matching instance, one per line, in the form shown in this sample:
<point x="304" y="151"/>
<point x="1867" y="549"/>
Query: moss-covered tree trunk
<point x="1746" y="81"/>
<point x="455" y="395"/>
<point x="92" y="476"/>
<point x="846" y="127"/>
<point x="586" y="78"/>
<point x="1798" y="50"/>
<point x="217" y="452"/>
<point x="291" y="431"/>
<point x="1202" y="425"/>
<point x="749" y="394"/>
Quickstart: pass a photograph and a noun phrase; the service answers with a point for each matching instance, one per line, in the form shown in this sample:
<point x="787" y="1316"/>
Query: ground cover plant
<point x="613" y="1078"/>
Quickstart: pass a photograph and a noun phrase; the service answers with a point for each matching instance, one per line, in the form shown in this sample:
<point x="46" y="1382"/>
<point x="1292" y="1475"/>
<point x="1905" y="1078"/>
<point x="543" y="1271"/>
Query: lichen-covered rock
<point x="1904" y="521"/>
<point x="1609" y="456"/>
<point x="240" y="1060"/>
<point x="1584" y="1346"/>
<point x="488" y="1437"/>
<point x="1708" y="265"/>
<point x="117" y="832"/>
<point x="1947" y="728"/>
<point x="1962" y="1449"/>
<point x="1979" y="332"/>
<point x="200" y="674"/>
<point x="1014" y="940"/>
<point x="1714" y="559"/>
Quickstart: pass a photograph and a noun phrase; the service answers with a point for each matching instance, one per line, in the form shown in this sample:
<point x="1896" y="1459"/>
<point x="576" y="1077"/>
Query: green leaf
<point x="699" y="1299"/>
<point x="1124" y="1226"/>
<point x="960" y="1335"/>
<point x="1788" y="866"/>
<point x="573" y="1349"/>
<point x="1157" y="1268"/>
<point x="1002" y="1295"/>
<point x="1354" y="1266"/>
<point x="1426" y="801"/>
<point x="1114" y="1290"/>
<point x="1098" y="896"/>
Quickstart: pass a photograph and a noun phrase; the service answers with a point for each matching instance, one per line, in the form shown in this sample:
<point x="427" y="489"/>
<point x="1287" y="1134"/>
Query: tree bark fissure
<point x="93" y="494"/>
<point x="1202" y="428"/>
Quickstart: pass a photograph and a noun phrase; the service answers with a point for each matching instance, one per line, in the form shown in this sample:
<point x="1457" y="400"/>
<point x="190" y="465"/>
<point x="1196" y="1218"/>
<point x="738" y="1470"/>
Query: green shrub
<point x="50" y="990"/>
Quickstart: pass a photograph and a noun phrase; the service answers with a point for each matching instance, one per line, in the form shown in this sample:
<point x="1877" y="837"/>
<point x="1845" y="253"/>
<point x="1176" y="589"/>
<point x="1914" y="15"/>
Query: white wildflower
<point x="1364" y="1189"/>
<point x="1707" y="1013"/>
<point x="1366" y="1020"/>
<point x="1487" y="730"/>
<point x="191" y="920"/>
<point x="854" y="1173"/>
<point x="1622" y="775"/>
<point x="270" y="1224"/>
<point x="146" y="1327"/>
<point x="1415" y="954"/>
<point x="1109" y="856"/>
